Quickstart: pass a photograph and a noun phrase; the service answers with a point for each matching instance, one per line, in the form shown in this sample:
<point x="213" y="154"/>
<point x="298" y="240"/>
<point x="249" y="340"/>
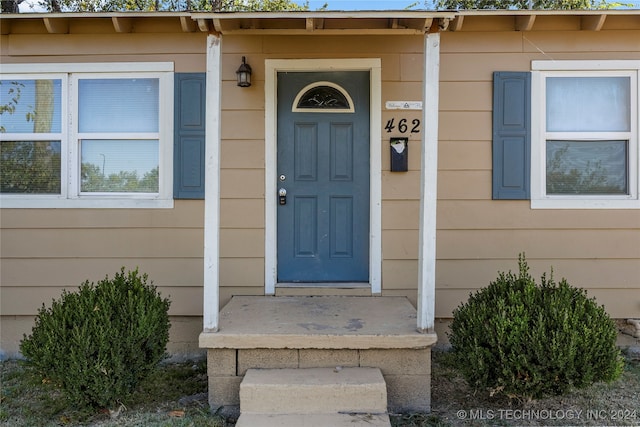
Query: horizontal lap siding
<point x="44" y="251"/>
<point x="477" y="237"/>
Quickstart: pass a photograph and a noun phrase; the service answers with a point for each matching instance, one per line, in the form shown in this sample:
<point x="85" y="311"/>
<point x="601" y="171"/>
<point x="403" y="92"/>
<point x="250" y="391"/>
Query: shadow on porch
<point x="268" y="332"/>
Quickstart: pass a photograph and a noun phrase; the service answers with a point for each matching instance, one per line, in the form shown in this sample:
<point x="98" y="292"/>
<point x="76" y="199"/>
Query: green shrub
<point x="525" y="340"/>
<point x="98" y="343"/>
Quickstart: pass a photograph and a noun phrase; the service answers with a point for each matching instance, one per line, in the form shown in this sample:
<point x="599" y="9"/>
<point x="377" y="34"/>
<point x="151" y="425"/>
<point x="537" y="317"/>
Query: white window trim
<point x="543" y="69"/>
<point x="70" y="196"/>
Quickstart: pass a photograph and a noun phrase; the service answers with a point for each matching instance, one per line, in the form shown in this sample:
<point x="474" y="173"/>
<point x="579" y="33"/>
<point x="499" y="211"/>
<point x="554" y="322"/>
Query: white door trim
<point x="272" y="66"/>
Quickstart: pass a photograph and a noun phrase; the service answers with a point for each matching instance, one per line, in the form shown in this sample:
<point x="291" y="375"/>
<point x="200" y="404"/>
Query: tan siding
<point x="241" y="243"/>
<point x="73" y="271"/>
<point x="400" y="244"/>
<point x="186" y="213"/>
<point x="466" y="96"/>
<point x="537" y="243"/>
<point x="586" y="273"/>
<point x="242" y="272"/>
<point x="239" y="154"/>
<point x="46" y="250"/>
<point x="590" y="41"/>
<point x="242" y="213"/>
<point x="479" y="42"/>
<point x="241" y="183"/>
<point x="78" y="45"/>
<point x="464" y="185"/>
<point x="399" y="186"/>
<point x="400" y="215"/>
<point x="399" y="274"/>
<point x="185" y="301"/>
<point x="616" y="301"/>
<point x="595" y="249"/>
<point x="465" y="125"/>
<point x="102" y="243"/>
<point x="464" y="155"/>
<point x="341" y="46"/>
<point x="516" y="214"/>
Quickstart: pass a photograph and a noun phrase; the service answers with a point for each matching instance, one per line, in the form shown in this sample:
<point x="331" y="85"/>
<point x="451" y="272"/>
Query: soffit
<point x="320" y="23"/>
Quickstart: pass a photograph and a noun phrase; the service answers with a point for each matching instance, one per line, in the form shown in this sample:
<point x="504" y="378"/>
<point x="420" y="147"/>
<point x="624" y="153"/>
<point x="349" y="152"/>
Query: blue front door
<point x="323" y="166"/>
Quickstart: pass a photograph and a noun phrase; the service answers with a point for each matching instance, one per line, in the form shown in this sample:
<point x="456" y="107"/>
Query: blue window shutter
<point x="511" y="135"/>
<point x="189" y="136"/>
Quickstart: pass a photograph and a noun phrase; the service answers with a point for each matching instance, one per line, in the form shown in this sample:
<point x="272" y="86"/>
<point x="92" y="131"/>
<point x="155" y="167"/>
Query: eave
<point x="325" y="22"/>
<point x="537" y="20"/>
<point x="246" y="23"/>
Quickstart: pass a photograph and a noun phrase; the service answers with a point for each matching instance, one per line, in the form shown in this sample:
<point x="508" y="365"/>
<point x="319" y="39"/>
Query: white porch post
<point x="211" y="298"/>
<point x="429" y="185"/>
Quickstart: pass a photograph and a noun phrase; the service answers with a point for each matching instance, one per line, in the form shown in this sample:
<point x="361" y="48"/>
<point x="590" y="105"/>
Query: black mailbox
<point x="399" y="154"/>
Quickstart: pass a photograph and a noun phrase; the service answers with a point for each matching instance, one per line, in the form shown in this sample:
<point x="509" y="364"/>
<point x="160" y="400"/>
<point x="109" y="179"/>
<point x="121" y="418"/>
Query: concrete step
<point x="313" y="391"/>
<point x="313" y="420"/>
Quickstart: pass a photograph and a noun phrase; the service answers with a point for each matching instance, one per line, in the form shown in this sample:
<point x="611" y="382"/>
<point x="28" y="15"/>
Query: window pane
<point x="30" y="106"/>
<point x="589" y="104"/>
<point x="587" y="167"/>
<point x="324" y="97"/>
<point x="120" y="166"/>
<point x="118" y="105"/>
<point x="30" y="167"/>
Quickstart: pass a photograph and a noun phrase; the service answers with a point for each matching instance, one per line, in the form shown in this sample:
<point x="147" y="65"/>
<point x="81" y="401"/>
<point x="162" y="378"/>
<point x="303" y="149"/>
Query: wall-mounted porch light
<point x="244" y="74"/>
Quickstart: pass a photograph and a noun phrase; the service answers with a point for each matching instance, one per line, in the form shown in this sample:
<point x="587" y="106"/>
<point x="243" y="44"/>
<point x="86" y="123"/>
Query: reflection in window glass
<point x="30" y="106"/>
<point x="30" y="167"/>
<point x="587" y="167"/>
<point x="118" y="105"/>
<point x="588" y="104"/>
<point x="324" y="97"/>
<point x="118" y="166"/>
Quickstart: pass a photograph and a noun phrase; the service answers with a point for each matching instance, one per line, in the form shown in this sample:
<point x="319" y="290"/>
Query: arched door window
<point x="323" y="97"/>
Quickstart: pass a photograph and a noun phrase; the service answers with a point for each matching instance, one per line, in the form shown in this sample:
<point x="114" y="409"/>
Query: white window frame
<point x="70" y="195"/>
<point x="540" y="71"/>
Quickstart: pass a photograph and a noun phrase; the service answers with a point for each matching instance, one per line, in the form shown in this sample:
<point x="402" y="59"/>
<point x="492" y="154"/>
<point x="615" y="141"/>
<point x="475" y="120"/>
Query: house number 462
<point x="403" y="126"/>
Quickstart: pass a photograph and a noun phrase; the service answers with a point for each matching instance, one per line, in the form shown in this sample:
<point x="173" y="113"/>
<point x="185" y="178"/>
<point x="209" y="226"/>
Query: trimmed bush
<point x="524" y="340"/>
<point x="98" y="343"/>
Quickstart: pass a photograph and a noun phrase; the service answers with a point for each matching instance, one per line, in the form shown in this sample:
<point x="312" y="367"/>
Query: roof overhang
<point x="325" y="23"/>
<point x="263" y="23"/>
<point x="328" y="22"/>
<point x="526" y="20"/>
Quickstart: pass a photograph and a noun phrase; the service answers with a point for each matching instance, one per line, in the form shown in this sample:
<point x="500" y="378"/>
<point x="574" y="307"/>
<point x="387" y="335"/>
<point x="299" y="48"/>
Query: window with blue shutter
<point x="189" y="136"/>
<point x="511" y="135"/>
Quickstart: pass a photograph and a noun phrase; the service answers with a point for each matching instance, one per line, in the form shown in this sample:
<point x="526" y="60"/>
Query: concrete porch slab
<point x="319" y="322"/>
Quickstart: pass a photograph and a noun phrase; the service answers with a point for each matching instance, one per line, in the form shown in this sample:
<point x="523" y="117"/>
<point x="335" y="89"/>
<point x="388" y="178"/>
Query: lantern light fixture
<point x="244" y="74"/>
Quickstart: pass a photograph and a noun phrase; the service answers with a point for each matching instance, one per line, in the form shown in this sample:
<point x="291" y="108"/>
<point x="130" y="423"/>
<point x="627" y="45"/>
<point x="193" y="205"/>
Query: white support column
<point x="211" y="299"/>
<point x="429" y="185"/>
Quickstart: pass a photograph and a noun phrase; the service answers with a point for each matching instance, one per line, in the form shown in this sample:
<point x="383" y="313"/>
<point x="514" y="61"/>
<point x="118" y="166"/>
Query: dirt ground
<point x="455" y="404"/>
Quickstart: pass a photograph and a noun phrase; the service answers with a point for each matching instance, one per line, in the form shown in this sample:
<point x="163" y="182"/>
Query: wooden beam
<point x="122" y="24"/>
<point x="217" y="25"/>
<point x="203" y="25"/>
<point x="56" y="25"/>
<point x="211" y="291"/>
<point x="188" y="25"/>
<point x="309" y="24"/>
<point x="592" y="22"/>
<point x="524" y="22"/>
<point x="428" y="186"/>
<point x="456" y="24"/>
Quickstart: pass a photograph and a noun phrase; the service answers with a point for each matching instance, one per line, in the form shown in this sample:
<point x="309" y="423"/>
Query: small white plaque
<point x="404" y="105"/>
